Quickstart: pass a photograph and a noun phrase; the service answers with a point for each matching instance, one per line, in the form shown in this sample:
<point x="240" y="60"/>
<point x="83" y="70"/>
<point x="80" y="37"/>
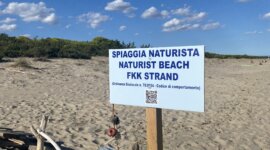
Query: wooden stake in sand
<point x="154" y="128"/>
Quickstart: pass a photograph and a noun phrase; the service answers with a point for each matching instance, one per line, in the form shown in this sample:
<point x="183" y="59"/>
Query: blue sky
<point x="224" y="26"/>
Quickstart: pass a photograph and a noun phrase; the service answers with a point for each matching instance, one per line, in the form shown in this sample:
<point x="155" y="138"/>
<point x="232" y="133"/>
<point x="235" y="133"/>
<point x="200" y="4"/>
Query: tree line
<point x="58" y="48"/>
<point x="61" y="48"/>
<point x="222" y="56"/>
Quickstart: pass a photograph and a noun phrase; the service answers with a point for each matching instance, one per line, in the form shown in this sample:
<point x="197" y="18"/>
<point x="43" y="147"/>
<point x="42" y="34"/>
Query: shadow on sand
<point x="10" y="139"/>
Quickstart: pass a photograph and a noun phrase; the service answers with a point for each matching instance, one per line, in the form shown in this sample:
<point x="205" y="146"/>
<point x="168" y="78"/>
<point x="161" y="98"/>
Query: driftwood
<point x="41" y="135"/>
<point x="12" y="139"/>
<point x="11" y="144"/>
<point x="40" y="139"/>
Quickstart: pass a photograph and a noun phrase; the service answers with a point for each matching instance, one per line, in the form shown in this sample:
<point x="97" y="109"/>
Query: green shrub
<point x="1" y="56"/>
<point x="42" y="59"/>
<point x="76" y="52"/>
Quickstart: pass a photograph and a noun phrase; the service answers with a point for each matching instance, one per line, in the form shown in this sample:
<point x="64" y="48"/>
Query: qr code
<point x="151" y="97"/>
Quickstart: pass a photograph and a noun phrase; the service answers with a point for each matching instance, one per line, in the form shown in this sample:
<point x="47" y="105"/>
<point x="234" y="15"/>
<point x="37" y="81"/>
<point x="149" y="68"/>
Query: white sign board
<point x="161" y="77"/>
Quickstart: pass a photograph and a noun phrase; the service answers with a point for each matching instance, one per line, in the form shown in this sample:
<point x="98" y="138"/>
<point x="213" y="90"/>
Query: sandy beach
<point x="76" y="94"/>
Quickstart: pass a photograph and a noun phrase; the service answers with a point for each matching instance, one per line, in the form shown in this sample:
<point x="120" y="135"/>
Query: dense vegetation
<point x="222" y="56"/>
<point x="61" y="48"/>
<point x="57" y="48"/>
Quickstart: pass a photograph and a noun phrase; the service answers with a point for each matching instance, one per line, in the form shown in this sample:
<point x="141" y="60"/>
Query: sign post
<point x="156" y="78"/>
<point x="154" y="128"/>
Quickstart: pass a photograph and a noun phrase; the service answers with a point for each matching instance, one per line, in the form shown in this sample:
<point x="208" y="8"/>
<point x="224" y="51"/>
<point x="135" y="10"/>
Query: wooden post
<point x="154" y="129"/>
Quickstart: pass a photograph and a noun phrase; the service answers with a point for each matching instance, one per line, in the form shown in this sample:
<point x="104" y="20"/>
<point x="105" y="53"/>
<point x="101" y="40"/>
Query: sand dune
<point x="75" y="93"/>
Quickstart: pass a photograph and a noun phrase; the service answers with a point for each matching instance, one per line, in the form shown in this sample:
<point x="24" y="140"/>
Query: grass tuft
<point x="42" y="59"/>
<point x="22" y="63"/>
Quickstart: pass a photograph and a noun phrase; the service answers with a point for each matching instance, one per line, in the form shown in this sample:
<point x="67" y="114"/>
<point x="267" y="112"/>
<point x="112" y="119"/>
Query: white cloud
<point x="182" y="11"/>
<point x="93" y="19"/>
<point x="197" y="16"/>
<point x="121" y="5"/>
<point x="268" y="30"/>
<point x="266" y="16"/>
<point x="153" y="12"/>
<point x="164" y="14"/>
<point x="26" y="35"/>
<point x="178" y="25"/>
<point x="122" y="28"/>
<point x="254" y="32"/>
<point x="189" y="20"/>
<point x="211" y="26"/>
<point x="8" y="20"/>
<point x="136" y="34"/>
<point x="8" y="27"/>
<point x="182" y="27"/>
<point x="172" y="22"/>
<point x="31" y="12"/>
<point x="186" y="23"/>
<point x="50" y="19"/>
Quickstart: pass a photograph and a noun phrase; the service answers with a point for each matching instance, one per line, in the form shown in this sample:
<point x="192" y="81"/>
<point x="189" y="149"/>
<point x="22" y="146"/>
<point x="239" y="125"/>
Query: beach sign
<point x="158" y="77"/>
